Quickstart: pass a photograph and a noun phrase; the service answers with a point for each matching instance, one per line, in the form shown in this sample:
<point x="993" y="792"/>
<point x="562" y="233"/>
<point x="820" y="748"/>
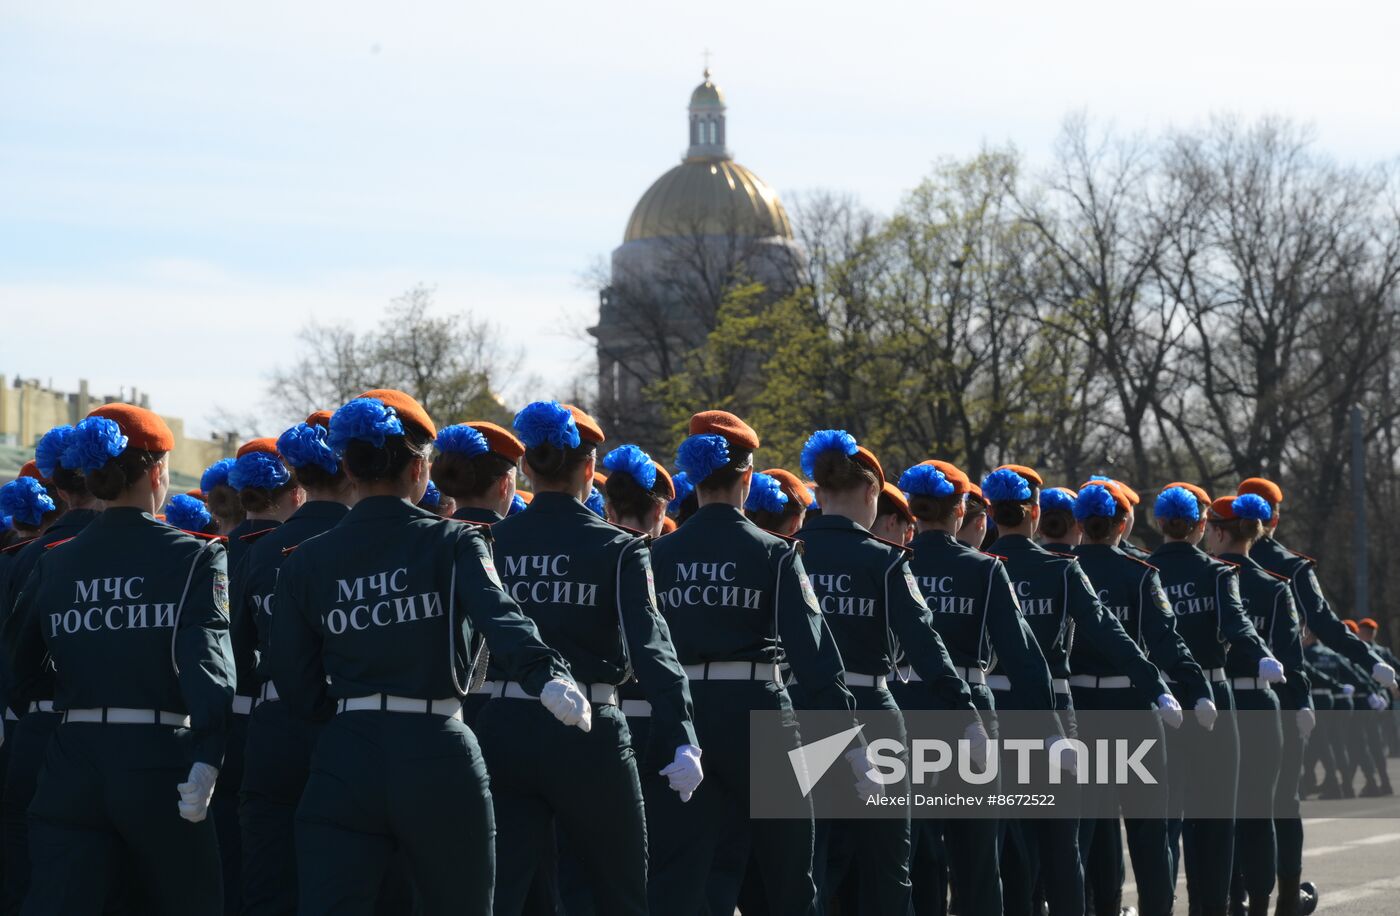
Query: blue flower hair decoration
<point x="1177" y="502"/>
<point x="25" y="499"/>
<point x="366" y="419"/>
<point x="94" y="442"/>
<point x="1006" y="485"/>
<point x="48" y="454"/>
<point x="216" y="475"/>
<point x="187" y="513"/>
<point x="681" y="481"/>
<point x="700" y="456"/>
<point x="461" y="439"/>
<point x="926" y="480"/>
<point x="517" y="505"/>
<point x="547" y="422"/>
<point x="766" y="495"/>
<point x="826" y="440"/>
<point x="632" y="461"/>
<point x="306" y="444"/>
<point x="595" y="502"/>
<point x="1095" y="501"/>
<point x="1252" y="506"/>
<point x="258" y="471"/>
<point x="432" y="498"/>
<point x="1055" y="498"/>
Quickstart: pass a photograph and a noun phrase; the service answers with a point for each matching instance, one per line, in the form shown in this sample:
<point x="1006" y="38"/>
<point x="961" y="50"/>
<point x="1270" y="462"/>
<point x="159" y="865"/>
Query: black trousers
<point x="26" y="746"/>
<point x="384" y="784"/>
<point x="1317" y="753"/>
<point x="1207" y="844"/>
<point x="105" y="811"/>
<point x="276" y="765"/>
<point x="1261" y="762"/>
<point x="1288" y="812"/>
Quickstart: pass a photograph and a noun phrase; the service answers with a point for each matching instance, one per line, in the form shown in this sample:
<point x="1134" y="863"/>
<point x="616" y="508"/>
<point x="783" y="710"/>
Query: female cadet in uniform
<point x="1057" y="601"/>
<point x="976" y="614"/>
<point x="1204" y="598"/>
<point x="588" y="586"/>
<point x="475" y="465"/>
<point x="975" y="526"/>
<point x="1129" y="589"/>
<point x="788" y="520"/>
<point x="893" y="520"/>
<point x="222" y="498"/>
<point x="871" y="602"/>
<point x="637" y="499"/>
<point x="133" y="614"/>
<point x="1058" y="531"/>
<point x="189" y="513"/>
<point x="371" y="623"/>
<point x="740" y="606"/>
<point x="277" y="756"/>
<point x="684" y="504"/>
<point x="1234" y="524"/>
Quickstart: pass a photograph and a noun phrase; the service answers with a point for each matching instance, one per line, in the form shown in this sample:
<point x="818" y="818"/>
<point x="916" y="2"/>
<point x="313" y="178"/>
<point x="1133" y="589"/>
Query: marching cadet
<point x="277" y="755"/>
<point x="28" y="504"/>
<point x="475" y="465"/>
<point x="976" y="614"/>
<point x="976" y="529"/>
<point x="436" y="503"/>
<point x="1204" y="595"/>
<point x="1365" y="700"/>
<point x="893" y="520"/>
<point x="1134" y="500"/>
<point x="1059" y="531"/>
<point x="638" y="499"/>
<point x="1318" y="618"/>
<point x="189" y="513"/>
<point x="684" y="504"/>
<point x="872" y="603"/>
<point x="1133" y="595"/>
<point x="1234" y="524"/>
<point x="740" y="606"/>
<point x="1058" y="604"/>
<point x="1378" y="727"/>
<point x="221" y="498"/>
<point x="588" y="586"/>
<point x="134" y="615"/>
<point x="788" y="521"/>
<point x="30" y="737"/>
<point x="360" y="613"/>
<point x="1329" y="668"/>
<point x="266" y="492"/>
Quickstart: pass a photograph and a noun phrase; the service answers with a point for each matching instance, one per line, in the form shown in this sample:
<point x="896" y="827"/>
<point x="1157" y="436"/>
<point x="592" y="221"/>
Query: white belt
<point x="1059" y="684"/>
<point x="489" y="688"/>
<point x="1322" y="693"/>
<point x="117" y="715"/>
<point x="1339" y="695"/>
<point x="242" y="705"/>
<point x="733" y="671"/>
<point x="41" y="706"/>
<point x="450" y="708"/>
<point x="1249" y="683"/>
<point x="972" y="675"/>
<point x="10" y="715"/>
<point x="598" y="694"/>
<point x="1213" y="675"/>
<point x="1112" y="682"/>
<point x="998" y="682"/>
<point x="268" y="694"/>
<point x="853" y="679"/>
<point x="635" y="708"/>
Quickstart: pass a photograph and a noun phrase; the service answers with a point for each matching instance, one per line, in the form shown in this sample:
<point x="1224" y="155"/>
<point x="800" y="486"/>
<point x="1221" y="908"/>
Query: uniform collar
<point x="1095" y="549"/>
<point x="125" y="516"/>
<point x="321" y="509"/>
<point x="1268" y="547"/>
<point x="1059" y="547"/>
<point x="826" y="522"/>
<point x="562" y="503"/>
<point x="476" y="514"/>
<point x="375" y="508"/>
<point x="1178" y="547"/>
<point x="1015" y="543"/>
<point x="73" y="520"/>
<point x="1240" y="559"/>
<point x="933" y="538"/>
<point x="719" y="512"/>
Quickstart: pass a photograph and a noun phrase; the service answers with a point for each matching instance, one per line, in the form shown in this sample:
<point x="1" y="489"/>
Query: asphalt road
<point x="1351" y="852"/>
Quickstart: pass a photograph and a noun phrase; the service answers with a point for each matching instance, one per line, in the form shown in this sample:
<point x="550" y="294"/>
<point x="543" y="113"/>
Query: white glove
<point x="1170" y="710"/>
<point x="859" y="759"/>
<point x="1307" y="721"/>
<point x="196" y="792"/>
<point x="1064" y="754"/>
<point x="684" y="773"/>
<point x="567" y="704"/>
<point x="1270" y="671"/>
<point x="1206" y="713"/>
<point x="1384" y="674"/>
<point x="1348" y="689"/>
<point x="976" y="736"/>
<point x="1377" y="702"/>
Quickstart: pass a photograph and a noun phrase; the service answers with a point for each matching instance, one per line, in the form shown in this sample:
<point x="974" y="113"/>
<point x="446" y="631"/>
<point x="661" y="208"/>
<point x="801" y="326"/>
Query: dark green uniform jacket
<point x="976" y="613"/>
<point x="734" y="592"/>
<point x="872" y="604"/>
<point x="133" y="613"/>
<point x="1131" y="592"/>
<point x="1059" y="604"/>
<point x="1317" y="613"/>
<point x="1205" y="597"/>
<point x="473" y="514"/>
<point x="387" y="602"/>
<point x="239" y="539"/>
<point x="1268" y="600"/>
<point x="588" y="585"/>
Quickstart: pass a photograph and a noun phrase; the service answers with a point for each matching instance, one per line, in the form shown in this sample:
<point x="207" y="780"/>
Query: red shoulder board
<point x="632" y="531"/>
<point x="1278" y="576"/>
<point x="211" y="537"/>
<point x="251" y="536"/>
<point x="287" y="551"/>
<point x="1224" y="562"/>
<point x="54" y="544"/>
<point x="471" y="522"/>
<point x="900" y="547"/>
<point x="1142" y="562"/>
<point x="17" y="546"/>
<point x="1301" y="555"/>
<point x="994" y="556"/>
<point x="783" y="537"/>
<point x="1067" y="556"/>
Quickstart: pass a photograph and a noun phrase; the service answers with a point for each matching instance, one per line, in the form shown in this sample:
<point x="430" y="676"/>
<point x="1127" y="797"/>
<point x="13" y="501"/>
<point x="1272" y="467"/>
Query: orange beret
<point x="31" y="469"/>
<point x="197" y="494"/>
<point x="1114" y="488"/>
<point x="723" y="423"/>
<point x="501" y="441"/>
<point x="265" y="444"/>
<point x="949" y="470"/>
<point x="901" y="505"/>
<point x="408" y="409"/>
<point x="1030" y="474"/>
<point x="866" y="457"/>
<point x="1262" y="487"/>
<point x="792" y="486"/>
<point x="1191" y="488"/>
<point x="1072" y="494"/>
<point x="588" y="428"/>
<point x="600" y="479"/>
<point x="320" y="418"/>
<point x="1369" y="624"/>
<point x="668" y="525"/>
<point x="973" y="489"/>
<point x="664" y="485"/>
<point x="525" y="496"/>
<point x="144" y="429"/>
<point x="1129" y="492"/>
<point x="1350" y="624"/>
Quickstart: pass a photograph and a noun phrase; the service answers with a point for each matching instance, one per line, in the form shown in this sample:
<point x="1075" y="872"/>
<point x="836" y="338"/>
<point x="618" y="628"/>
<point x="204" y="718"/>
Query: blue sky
<point x="181" y="187"/>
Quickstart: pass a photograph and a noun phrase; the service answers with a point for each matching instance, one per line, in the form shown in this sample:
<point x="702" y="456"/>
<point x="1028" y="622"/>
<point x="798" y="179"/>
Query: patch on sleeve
<point x="913" y="584"/>
<point x="489" y="566"/>
<point x="221" y="591"/>
<point x="1160" y="601"/>
<point x="1311" y="578"/>
<point x="651" y="587"/>
<point x="809" y="595"/>
<point x="1084" y="578"/>
<point x="1234" y="589"/>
